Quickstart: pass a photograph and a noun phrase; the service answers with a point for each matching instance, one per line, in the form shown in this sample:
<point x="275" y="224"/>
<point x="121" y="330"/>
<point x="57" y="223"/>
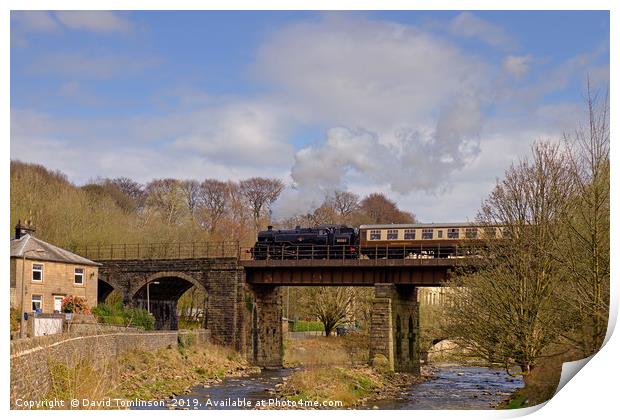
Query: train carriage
<point x="423" y="240"/>
<point x="389" y="241"/>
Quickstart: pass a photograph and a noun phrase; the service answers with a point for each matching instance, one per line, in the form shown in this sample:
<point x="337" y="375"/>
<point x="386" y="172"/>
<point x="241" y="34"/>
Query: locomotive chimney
<point x="269" y="227"/>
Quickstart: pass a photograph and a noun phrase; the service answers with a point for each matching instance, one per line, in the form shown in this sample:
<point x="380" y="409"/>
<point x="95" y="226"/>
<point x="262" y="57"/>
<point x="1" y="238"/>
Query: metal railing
<point x="345" y="252"/>
<point x="176" y="250"/>
<point x="232" y="249"/>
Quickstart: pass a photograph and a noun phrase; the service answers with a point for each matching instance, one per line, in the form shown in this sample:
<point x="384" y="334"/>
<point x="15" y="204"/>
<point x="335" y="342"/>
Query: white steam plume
<point x="414" y="161"/>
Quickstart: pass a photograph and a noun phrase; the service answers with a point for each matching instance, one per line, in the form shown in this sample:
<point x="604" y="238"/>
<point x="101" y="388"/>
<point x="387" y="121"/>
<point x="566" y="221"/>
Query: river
<point x="451" y="387"/>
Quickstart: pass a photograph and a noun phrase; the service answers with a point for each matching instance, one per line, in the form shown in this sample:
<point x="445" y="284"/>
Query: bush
<point x="75" y="304"/>
<point x="15" y="319"/>
<point x="116" y="314"/>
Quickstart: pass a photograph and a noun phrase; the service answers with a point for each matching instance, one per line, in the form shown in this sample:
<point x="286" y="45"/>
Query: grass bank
<point x="542" y="382"/>
<point x="146" y="375"/>
<point x="336" y="369"/>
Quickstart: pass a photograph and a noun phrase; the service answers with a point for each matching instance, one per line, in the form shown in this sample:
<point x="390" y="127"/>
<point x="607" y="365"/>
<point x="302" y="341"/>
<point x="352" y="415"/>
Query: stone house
<point x="51" y="273"/>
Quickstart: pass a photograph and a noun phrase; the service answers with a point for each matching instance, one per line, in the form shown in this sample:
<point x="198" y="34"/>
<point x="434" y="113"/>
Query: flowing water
<point x="455" y="387"/>
<point x="451" y="387"/>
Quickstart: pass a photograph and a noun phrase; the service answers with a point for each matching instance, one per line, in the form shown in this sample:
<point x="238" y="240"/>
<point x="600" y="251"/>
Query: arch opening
<point x="104" y="289"/>
<point x="174" y="299"/>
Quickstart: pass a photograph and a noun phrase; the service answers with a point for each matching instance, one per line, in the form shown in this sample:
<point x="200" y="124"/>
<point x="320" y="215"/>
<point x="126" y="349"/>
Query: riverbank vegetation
<point x="146" y="375"/>
<point x="541" y="295"/>
<point x="336" y="369"/>
<point x="116" y="314"/>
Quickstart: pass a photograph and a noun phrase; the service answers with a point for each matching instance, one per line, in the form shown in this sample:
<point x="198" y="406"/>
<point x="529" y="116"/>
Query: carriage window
<point x="453" y="233"/>
<point x="440" y="234"/>
<point x="409" y="233"/>
<point x="375" y="235"/>
<point x="392" y="234"/>
<point x="471" y="233"/>
<point x="427" y="233"/>
<point x="490" y="232"/>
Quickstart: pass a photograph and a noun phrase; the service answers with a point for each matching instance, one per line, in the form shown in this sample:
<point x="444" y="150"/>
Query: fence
<point x="177" y="250"/>
<point x="232" y="249"/>
<point x="345" y="252"/>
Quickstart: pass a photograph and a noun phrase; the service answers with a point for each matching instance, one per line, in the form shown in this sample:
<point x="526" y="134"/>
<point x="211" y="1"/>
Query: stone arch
<point x="165" y="288"/>
<point x="164" y="275"/>
<point x="399" y="338"/>
<point x="104" y="288"/>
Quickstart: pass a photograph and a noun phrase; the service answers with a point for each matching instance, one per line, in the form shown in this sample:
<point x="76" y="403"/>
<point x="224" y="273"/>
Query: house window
<point x="392" y="234"/>
<point x="439" y="234"/>
<point x="427" y="233"/>
<point x="453" y="233"/>
<point x="375" y="235"/>
<point x="37" y="272"/>
<point x="37" y="303"/>
<point x="471" y="233"/>
<point x="78" y="276"/>
<point x="409" y="233"/>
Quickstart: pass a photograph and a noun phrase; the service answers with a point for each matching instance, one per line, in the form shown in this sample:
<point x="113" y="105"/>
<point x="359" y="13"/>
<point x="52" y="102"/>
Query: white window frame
<point x="75" y="274"/>
<point x="32" y="271"/>
<point x="374" y="232"/>
<point x="58" y="297"/>
<point x="40" y="300"/>
<point x="409" y="232"/>
<point x="452" y="232"/>
<point x="392" y="232"/>
<point x="426" y="232"/>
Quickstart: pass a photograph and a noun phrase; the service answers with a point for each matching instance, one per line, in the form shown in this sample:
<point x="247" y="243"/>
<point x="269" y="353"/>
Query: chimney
<point x="25" y="228"/>
<point x="269" y="227"/>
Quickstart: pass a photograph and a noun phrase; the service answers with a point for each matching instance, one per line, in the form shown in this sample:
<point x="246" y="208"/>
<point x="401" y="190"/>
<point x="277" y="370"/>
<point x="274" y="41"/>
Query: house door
<point x="58" y="303"/>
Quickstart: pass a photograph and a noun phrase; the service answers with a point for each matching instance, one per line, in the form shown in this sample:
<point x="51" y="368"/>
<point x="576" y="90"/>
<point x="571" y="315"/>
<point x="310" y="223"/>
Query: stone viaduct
<point x="244" y="299"/>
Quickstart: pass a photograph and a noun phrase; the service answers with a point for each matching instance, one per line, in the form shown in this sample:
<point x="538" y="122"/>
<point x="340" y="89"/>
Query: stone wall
<point x="267" y="341"/>
<point x="394" y="327"/>
<point x="31" y="359"/>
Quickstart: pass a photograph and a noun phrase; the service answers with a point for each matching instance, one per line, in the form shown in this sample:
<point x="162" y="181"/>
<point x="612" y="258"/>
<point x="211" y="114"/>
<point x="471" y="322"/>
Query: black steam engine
<point x="328" y="241"/>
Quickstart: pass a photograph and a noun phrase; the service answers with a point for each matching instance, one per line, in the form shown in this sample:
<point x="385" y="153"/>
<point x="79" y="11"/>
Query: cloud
<point x="377" y="75"/>
<point x="34" y="21"/>
<point x="468" y="25"/>
<point x="517" y="66"/>
<point x="91" y="66"/>
<point x="94" y="21"/>
<point x="241" y="132"/>
<point x="85" y="149"/>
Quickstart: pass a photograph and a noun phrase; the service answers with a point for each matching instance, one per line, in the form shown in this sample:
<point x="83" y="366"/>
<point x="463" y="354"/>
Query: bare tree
<point x="345" y="203"/>
<point x="507" y="311"/>
<point x="260" y="194"/>
<point x="379" y="209"/>
<point x="213" y="199"/>
<point x="190" y="190"/>
<point x="583" y="248"/>
<point x="331" y="305"/>
<point x="165" y="196"/>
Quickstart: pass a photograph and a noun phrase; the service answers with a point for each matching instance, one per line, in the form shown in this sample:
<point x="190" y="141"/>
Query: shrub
<point x="75" y="304"/>
<point x="116" y="314"/>
<point x="15" y="319"/>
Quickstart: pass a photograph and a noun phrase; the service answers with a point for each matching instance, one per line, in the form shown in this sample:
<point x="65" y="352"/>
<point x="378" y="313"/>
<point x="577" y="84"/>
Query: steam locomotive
<point x="419" y="240"/>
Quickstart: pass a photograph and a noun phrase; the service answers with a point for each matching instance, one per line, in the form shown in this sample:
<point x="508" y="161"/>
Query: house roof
<point x="48" y="252"/>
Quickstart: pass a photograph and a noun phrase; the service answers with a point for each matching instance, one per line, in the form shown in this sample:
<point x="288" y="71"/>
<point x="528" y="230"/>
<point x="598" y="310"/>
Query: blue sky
<point x="427" y="107"/>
